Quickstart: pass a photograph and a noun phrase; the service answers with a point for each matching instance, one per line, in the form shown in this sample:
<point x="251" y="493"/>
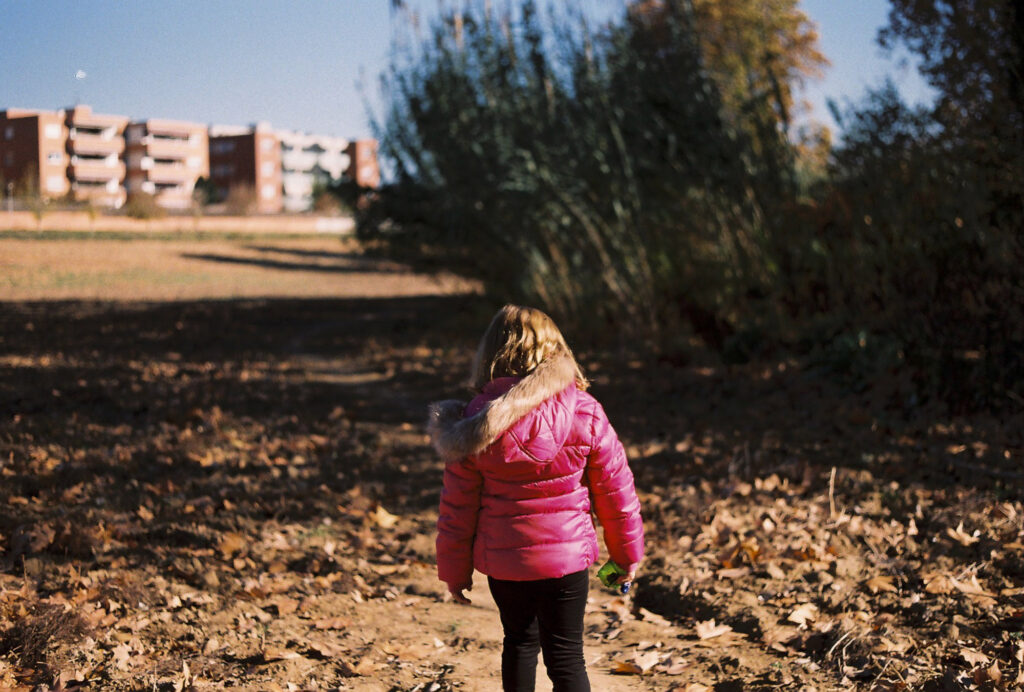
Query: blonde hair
<point x="517" y="340"/>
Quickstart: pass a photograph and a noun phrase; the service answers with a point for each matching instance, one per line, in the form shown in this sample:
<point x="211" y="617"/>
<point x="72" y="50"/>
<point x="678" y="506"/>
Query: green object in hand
<point x="609" y="574"/>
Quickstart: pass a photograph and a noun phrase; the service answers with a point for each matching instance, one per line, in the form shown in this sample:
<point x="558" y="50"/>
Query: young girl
<point x="525" y="462"/>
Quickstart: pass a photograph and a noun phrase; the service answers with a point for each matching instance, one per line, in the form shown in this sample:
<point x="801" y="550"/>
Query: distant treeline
<point x="643" y="178"/>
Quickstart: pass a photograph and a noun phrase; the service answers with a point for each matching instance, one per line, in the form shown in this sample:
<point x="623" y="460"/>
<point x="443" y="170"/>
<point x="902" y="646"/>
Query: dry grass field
<point x="119" y="267"/>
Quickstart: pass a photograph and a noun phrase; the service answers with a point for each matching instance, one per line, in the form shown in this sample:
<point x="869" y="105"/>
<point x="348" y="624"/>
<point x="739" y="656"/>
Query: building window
<point x="268" y="191"/>
<point x="267" y="169"/>
<point x="52" y="131"/>
<point x="9" y="158"/>
<point x="266" y="144"/>
<point x="55" y="157"/>
<point x="223" y="146"/>
<point x="55" y="183"/>
<point x="9" y="132"/>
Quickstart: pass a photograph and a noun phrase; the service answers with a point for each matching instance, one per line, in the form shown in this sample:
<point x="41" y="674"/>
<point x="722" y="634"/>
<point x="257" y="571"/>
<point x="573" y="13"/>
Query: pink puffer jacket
<point x="526" y="461"/>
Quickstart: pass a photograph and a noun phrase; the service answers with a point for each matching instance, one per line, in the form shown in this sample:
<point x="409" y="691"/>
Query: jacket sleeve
<point x="456" y="523"/>
<point x="613" y="494"/>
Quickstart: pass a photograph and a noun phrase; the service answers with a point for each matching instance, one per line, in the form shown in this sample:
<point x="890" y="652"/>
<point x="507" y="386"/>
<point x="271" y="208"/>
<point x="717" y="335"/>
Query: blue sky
<point x="293" y="63"/>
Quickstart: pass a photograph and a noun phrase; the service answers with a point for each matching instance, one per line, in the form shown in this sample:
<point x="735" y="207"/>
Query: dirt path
<point x="238" y="493"/>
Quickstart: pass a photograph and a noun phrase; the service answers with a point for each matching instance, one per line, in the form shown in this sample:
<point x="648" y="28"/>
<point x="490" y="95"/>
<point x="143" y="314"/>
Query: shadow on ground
<point x="248" y="435"/>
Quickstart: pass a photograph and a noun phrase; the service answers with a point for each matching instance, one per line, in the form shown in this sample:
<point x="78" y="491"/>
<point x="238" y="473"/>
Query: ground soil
<point x="213" y="473"/>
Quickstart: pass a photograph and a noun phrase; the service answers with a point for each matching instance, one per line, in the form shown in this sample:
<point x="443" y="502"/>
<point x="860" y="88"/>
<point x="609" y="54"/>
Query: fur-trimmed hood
<point x="455" y="436"/>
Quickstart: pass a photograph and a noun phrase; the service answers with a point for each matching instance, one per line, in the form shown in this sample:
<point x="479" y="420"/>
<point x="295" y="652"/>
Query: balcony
<point x="96" y="169"/>
<point x="97" y="124"/>
<point x="296" y="160"/>
<point x="297" y="185"/>
<point x="93" y="188"/>
<point x="171" y="172"/>
<point x="170" y="148"/>
<point x="83" y="143"/>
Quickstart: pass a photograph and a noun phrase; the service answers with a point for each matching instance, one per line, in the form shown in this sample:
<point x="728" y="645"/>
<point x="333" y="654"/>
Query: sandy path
<point x="478" y="667"/>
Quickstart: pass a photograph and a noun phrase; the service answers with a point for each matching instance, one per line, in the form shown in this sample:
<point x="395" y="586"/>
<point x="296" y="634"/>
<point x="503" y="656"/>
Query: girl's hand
<point x="457" y="595"/>
<point x="627" y="578"/>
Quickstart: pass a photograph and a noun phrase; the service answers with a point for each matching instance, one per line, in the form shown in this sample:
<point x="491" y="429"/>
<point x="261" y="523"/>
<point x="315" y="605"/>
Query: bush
<point x="241" y="200"/>
<point x="143" y="205"/>
<point x="602" y="176"/>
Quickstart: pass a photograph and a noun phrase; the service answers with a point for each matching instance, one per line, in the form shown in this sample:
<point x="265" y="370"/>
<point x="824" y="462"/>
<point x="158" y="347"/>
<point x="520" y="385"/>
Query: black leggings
<point x="546" y="614"/>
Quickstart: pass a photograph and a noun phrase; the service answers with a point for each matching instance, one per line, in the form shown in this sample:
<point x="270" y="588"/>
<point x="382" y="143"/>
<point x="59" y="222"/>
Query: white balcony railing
<point x="298" y="161"/>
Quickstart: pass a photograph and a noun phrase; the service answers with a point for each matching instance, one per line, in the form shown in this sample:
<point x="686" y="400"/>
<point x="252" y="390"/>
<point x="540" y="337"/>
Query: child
<point x="525" y="462"/>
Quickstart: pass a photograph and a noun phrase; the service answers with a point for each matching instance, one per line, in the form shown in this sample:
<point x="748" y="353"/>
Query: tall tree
<point x="972" y="51"/>
<point x="758" y="51"/>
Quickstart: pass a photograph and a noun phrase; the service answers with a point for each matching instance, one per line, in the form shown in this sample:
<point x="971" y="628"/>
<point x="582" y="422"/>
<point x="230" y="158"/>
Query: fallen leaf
<point x="973" y="657"/>
<point x="122" y="653"/>
<point x="971" y="587"/>
<point x="709" y="630"/>
<point x="409" y="652"/>
<point x="939" y="584"/>
<point x="638" y="665"/>
<point x="880" y="583"/>
<point x="271" y="654"/>
<point x="886" y="645"/>
<point x="647" y="660"/>
<point x="40" y="537"/>
<point x="777" y="637"/>
<point x="284" y="605"/>
<point x="382" y="518"/>
<point x="991" y="674"/>
<point x="385" y="570"/>
<point x="366" y="666"/>
<point x="187" y="679"/>
<point x="803" y="613"/>
<point x="960" y="536"/>
<point x="230" y="544"/>
<point x="653" y="618"/>
<point x="325" y="650"/>
<point x="673" y="667"/>
<point x="335" y="623"/>
<point x="626" y="668"/>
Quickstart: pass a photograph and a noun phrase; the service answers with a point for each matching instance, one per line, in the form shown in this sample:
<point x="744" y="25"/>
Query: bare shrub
<point x="46" y="627"/>
<point x="241" y="200"/>
<point x="142" y="205"/>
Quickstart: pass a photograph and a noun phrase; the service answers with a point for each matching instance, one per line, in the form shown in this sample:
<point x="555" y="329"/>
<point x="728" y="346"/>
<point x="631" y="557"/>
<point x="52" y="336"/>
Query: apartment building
<point x="309" y="160"/>
<point x="72" y="153"/>
<point x="81" y="155"/>
<point x="363" y="168"/>
<point x="33" y="157"/>
<point x="95" y="144"/>
<point x="165" y="158"/>
<point x="250" y="159"/>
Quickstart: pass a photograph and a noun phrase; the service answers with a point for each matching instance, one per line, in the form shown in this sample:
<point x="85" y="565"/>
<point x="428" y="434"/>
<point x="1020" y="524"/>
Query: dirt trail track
<point x="209" y="489"/>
